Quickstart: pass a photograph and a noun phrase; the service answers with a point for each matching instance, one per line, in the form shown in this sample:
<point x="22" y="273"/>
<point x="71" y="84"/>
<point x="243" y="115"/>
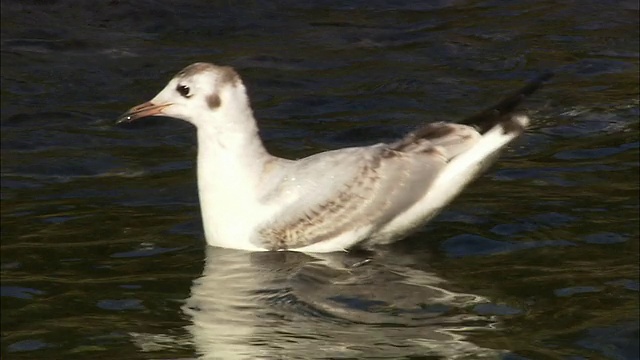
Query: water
<point x="102" y="248"/>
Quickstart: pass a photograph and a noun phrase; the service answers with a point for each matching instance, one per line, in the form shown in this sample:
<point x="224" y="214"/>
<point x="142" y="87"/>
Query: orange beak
<point x="140" y="111"/>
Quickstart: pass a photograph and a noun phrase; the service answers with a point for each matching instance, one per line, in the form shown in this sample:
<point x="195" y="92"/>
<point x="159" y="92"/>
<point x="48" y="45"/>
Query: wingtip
<point x="546" y="76"/>
<point x="502" y="111"/>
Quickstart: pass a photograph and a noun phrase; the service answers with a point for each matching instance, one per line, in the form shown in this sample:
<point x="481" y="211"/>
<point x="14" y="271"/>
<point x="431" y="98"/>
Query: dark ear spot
<point x="213" y="101"/>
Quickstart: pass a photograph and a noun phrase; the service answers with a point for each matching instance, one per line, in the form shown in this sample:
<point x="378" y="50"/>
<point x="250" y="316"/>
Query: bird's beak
<point x="140" y="111"/>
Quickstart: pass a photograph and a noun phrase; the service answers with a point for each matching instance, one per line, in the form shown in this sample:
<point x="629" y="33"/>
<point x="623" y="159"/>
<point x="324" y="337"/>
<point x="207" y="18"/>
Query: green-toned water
<point x="102" y="247"/>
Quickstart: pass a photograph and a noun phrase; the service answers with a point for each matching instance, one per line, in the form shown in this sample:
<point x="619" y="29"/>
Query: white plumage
<point x="329" y="201"/>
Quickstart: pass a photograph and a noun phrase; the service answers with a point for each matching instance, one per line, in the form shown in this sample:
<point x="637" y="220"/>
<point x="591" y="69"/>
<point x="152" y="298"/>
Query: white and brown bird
<point x="330" y="201"/>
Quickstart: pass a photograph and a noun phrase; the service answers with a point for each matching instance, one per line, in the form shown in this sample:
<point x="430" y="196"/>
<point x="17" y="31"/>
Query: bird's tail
<point x="502" y="112"/>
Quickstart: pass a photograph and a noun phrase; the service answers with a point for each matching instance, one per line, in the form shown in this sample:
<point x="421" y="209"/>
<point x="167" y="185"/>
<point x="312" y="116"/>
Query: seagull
<point x="330" y="201"/>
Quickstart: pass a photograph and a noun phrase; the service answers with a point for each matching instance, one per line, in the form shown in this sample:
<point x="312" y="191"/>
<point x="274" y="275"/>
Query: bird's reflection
<point x="292" y="305"/>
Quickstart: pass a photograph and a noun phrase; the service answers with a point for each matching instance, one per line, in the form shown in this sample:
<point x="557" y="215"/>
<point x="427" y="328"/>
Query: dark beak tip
<point x="140" y="111"/>
<point x="124" y="119"/>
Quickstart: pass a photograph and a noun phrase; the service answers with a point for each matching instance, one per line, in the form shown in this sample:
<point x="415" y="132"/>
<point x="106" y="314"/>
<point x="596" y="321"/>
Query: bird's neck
<point x="230" y="164"/>
<point x="230" y="152"/>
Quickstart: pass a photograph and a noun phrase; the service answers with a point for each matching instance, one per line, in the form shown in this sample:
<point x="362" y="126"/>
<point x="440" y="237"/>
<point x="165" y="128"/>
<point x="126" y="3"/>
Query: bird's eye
<point x="183" y="90"/>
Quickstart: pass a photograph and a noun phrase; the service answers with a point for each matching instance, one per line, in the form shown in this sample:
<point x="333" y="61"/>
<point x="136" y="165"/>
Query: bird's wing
<point x="346" y="195"/>
<point x="355" y="191"/>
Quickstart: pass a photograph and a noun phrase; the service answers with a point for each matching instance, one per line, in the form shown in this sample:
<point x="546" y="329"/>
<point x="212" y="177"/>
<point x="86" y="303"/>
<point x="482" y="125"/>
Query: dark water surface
<point x="103" y="255"/>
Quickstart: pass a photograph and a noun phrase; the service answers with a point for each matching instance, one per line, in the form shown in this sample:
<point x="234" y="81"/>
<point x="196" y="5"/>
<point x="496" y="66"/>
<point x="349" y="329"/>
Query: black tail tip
<point x="489" y="117"/>
<point x="545" y="76"/>
<point x="542" y="78"/>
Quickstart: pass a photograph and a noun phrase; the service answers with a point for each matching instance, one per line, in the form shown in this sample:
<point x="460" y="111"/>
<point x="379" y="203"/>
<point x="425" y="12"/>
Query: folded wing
<point x="361" y="189"/>
<point x="381" y="192"/>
